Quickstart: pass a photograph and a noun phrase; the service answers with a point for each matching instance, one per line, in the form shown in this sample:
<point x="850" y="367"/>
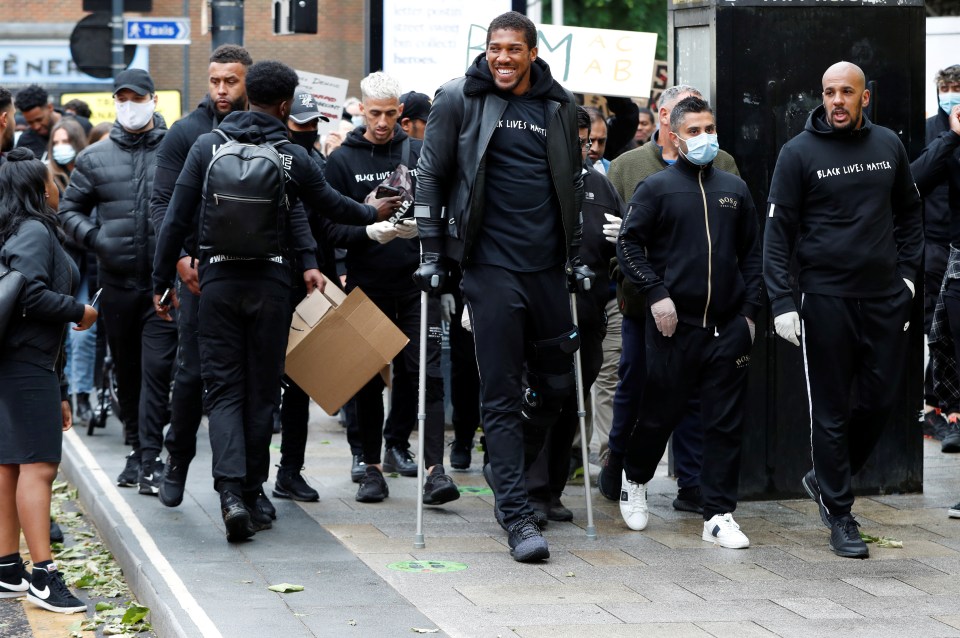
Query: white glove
<point x="787" y="326"/>
<point x="407" y="229"/>
<point x="910" y="286"/>
<point x="382" y="232"/>
<point x="465" y="320"/>
<point x="448" y="306"/>
<point x="612" y="228"/>
<point x="752" y="327"/>
<point x="665" y="315"/>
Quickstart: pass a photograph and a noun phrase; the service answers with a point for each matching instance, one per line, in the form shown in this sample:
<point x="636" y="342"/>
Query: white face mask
<point x="133" y="116"/>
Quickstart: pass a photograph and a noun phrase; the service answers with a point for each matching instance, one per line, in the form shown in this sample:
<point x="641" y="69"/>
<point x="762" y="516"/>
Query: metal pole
<point x="418" y="542"/>
<point x="226" y="22"/>
<point x="116" y="38"/>
<point x="556" y="7"/>
<point x="582" y="414"/>
<point x="185" y="97"/>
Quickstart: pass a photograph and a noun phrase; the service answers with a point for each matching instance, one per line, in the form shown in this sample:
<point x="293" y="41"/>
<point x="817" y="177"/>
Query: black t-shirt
<point x="521" y="220"/>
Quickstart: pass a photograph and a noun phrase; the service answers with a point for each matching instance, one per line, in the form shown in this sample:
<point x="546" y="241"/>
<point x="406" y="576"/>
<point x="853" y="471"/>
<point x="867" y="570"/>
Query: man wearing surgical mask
<point x="115" y="177"/>
<point x="690" y="243"/>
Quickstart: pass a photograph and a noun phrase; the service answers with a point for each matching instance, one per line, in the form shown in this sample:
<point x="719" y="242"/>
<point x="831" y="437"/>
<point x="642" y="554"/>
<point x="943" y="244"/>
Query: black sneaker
<point x="609" y="479"/>
<point x="488" y="476"/>
<point x="439" y="488"/>
<point x="557" y="511"/>
<point x="689" y="499"/>
<point x="259" y="517"/>
<point x="173" y="482"/>
<point x="950" y="443"/>
<point x="540" y="508"/>
<point x="56" y="534"/>
<point x="151" y="473"/>
<point x="84" y="412"/>
<point x="291" y="484"/>
<point x="358" y="469"/>
<point x="460" y="455"/>
<point x="14" y="579"/>
<point x="399" y="461"/>
<point x="526" y="542"/>
<point x="954" y="512"/>
<point x="845" y="538"/>
<point x="130" y="475"/>
<point x="48" y="590"/>
<point x="373" y="487"/>
<point x="236" y="517"/>
<point x="265" y="506"/>
<point x="934" y="425"/>
<point x="812" y="488"/>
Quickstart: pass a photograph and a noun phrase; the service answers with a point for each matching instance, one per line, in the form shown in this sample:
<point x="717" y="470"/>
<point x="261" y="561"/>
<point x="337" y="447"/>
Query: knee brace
<point x="550" y="379"/>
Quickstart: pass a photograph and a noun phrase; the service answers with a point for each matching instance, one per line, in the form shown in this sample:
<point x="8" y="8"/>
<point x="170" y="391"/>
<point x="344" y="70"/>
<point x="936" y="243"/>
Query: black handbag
<point x="11" y="283"/>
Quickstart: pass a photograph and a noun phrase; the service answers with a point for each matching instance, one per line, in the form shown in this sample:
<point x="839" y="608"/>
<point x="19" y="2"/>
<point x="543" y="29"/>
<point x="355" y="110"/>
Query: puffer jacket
<point x="115" y="176"/>
<point x="35" y="334"/>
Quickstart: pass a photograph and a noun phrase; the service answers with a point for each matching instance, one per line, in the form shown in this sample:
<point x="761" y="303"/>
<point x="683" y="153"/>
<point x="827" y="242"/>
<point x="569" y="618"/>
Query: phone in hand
<point x="387" y="191"/>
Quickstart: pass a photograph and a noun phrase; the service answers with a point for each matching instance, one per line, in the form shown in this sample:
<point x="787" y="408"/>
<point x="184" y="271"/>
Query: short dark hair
<point x="513" y="21"/>
<point x="649" y="113"/>
<point x="228" y="53"/>
<point x="692" y="104"/>
<point x="594" y="114"/>
<point x="31" y="97"/>
<point x="270" y="82"/>
<point x="79" y="107"/>
<point x="6" y="99"/>
<point x="583" y="118"/>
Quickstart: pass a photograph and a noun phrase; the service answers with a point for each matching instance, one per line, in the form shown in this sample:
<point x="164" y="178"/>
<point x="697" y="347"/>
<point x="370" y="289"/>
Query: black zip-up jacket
<point x="691" y="234"/>
<point x="937" y="171"/>
<point x="850" y="198"/>
<point x="936" y="204"/>
<point x="304" y="181"/>
<point x="115" y="177"/>
<point x="172" y="155"/>
<point x="35" y="334"/>
<point x="600" y="197"/>
<point x="451" y="173"/>
<point x="355" y="169"/>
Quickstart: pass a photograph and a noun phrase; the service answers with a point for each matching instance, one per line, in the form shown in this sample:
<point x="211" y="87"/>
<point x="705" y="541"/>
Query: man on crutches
<point x="500" y="190"/>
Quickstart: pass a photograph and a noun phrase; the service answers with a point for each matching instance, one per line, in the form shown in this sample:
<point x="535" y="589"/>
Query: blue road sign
<point x="156" y="30"/>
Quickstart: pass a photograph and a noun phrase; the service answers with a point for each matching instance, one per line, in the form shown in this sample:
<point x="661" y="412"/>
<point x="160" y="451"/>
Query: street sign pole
<point x="116" y="41"/>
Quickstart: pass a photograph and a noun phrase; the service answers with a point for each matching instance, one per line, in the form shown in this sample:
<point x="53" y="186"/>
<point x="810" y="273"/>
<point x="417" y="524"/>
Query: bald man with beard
<point x="844" y="185"/>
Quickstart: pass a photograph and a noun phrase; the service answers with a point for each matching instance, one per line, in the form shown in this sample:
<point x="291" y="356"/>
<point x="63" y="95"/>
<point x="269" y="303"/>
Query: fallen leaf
<point x="418" y="630"/>
<point x="571" y="575"/>
<point x="352" y="623"/>
<point x="285" y="588"/>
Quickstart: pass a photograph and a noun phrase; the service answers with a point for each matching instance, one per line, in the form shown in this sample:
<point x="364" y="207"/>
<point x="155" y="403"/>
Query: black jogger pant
<point x="854" y="346"/>
<point x="715" y="360"/>
<point x="244" y="325"/>
<point x="509" y="311"/>
<point x="186" y="404"/>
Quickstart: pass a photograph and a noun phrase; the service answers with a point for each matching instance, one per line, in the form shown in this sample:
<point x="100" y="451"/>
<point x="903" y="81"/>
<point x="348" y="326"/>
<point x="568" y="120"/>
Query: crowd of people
<point x="185" y="249"/>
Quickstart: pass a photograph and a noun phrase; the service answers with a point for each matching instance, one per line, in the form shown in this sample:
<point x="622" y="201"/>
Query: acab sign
<point x="602" y="61"/>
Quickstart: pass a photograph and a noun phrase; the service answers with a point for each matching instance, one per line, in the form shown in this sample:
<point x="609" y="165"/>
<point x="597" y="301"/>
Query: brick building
<point x="34" y="34"/>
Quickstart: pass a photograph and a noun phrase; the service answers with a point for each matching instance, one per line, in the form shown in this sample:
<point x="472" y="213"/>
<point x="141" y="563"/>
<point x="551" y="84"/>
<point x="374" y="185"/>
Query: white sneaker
<point x="722" y="529"/>
<point x="633" y="503"/>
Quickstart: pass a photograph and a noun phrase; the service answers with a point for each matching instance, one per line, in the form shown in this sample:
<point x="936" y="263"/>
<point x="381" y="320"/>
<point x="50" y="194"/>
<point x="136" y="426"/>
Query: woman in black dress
<point x="33" y="409"/>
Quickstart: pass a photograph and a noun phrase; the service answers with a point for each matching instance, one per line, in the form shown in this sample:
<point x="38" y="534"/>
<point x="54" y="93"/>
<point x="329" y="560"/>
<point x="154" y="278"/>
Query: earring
<point x="46" y="195"/>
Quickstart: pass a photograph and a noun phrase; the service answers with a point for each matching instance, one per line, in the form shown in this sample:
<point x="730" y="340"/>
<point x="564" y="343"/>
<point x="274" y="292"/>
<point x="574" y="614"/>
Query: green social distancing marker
<point x="478" y="491"/>
<point x="427" y="566"/>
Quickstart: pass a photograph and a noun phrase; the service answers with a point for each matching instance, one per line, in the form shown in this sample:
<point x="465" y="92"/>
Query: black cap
<point x="304" y="108"/>
<point x="416" y="106"/>
<point x="137" y="80"/>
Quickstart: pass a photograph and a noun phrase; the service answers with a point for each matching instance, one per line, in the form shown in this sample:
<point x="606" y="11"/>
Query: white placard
<point x="943" y="50"/>
<point x="601" y="61"/>
<point x="330" y="94"/>
<point x="424" y="40"/>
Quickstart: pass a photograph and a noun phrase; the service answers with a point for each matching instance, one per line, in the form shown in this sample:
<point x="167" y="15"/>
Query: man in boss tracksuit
<point x="844" y="186"/>
<point x="245" y="305"/>
<point x="227" y="93"/>
<point x="690" y="242"/>
<point x="381" y="259"/>
<point x="500" y="189"/>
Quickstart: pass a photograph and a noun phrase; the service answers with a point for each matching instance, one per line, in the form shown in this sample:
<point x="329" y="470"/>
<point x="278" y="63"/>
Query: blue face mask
<point x="702" y="149"/>
<point x="948" y="101"/>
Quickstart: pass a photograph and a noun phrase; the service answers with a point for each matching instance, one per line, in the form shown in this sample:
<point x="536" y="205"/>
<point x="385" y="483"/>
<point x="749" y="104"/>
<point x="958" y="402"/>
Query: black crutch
<point x="418" y="542"/>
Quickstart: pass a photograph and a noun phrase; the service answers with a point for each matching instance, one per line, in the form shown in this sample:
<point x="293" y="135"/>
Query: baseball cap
<point x="416" y="106"/>
<point x="137" y="80"/>
<point x="304" y="108"/>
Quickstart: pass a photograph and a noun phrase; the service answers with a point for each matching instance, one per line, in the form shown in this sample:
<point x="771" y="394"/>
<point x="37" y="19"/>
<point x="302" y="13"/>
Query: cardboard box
<point x="338" y="343"/>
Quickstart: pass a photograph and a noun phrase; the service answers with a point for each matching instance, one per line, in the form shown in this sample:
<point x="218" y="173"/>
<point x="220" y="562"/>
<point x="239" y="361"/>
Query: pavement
<point x="361" y="575"/>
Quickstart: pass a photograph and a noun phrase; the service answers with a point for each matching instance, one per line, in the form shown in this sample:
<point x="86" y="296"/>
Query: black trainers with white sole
<point x="131" y="471"/>
<point x="48" y="590"/>
<point x="150" y="476"/>
<point x="14" y="578"/>
<point x="812" y="487"/>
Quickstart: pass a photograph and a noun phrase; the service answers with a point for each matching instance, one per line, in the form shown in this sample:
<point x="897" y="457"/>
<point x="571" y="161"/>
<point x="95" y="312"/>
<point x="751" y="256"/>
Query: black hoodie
<point x="304" y="181"/>
<point x="357" y="168"/>
<point x="849" y="197"/>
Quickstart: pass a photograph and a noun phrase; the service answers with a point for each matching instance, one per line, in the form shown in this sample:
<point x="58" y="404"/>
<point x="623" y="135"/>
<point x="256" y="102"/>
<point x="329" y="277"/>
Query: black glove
<point x="430" y="276"/>
<point x="579" y="276"/>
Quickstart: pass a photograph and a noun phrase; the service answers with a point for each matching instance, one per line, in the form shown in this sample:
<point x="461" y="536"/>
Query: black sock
<point x="10" y="559"/>
<point x="44" y="565"/>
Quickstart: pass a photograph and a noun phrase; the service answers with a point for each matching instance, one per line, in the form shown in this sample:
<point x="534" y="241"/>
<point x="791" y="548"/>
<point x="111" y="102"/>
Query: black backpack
<point x="245" y="203"/>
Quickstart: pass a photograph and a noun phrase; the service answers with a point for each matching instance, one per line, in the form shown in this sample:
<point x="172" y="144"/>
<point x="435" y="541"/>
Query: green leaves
<point x="285" y="588"/>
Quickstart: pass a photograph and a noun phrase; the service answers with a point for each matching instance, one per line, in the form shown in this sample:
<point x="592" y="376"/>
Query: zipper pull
<point x="716" y="331"/>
